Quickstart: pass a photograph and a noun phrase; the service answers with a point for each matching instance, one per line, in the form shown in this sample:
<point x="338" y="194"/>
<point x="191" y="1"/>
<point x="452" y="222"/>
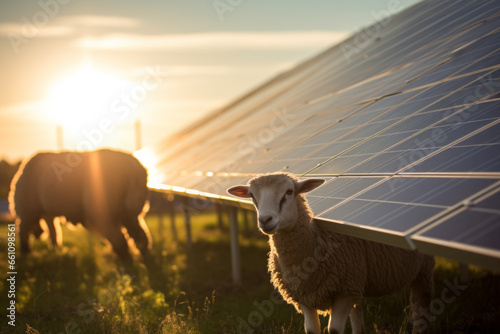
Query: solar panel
<point x="399" y="205"/>
<point x="402" y="119"/>
<point x="473" y="228"/>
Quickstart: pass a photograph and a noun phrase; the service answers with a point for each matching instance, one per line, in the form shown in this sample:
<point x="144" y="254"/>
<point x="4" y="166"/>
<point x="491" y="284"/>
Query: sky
<point x="81" y="74"/>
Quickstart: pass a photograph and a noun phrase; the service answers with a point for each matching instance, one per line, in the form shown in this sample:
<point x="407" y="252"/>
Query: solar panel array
<point x="402" y="120"/>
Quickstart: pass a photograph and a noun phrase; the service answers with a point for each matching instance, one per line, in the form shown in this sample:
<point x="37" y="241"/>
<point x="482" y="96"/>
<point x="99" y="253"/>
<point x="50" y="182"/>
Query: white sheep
<point x="322" y="271"/>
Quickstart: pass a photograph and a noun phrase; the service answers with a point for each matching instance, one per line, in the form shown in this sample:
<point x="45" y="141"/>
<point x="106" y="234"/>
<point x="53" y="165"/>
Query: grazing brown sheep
<point x="104" y="190"/>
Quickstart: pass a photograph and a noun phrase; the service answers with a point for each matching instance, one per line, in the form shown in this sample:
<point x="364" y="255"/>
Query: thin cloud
<point x="215" y="41"/>
<point x="100" y="21"/>
<point x="200" y="70"/>
<point x="66" y="25"/>
<point x="22" y="29"/>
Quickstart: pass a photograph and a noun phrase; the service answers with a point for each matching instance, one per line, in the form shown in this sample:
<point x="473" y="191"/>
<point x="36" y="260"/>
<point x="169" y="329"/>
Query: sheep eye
<point x="253" y="200"/>
<point x="283" y="199"/>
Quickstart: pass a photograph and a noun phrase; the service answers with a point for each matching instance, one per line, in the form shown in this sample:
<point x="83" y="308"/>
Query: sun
<point x="83" y="97"/>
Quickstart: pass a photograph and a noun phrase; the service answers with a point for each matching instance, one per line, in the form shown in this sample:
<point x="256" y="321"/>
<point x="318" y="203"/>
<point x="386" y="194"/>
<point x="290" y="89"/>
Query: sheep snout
<point x="268" y="223"/>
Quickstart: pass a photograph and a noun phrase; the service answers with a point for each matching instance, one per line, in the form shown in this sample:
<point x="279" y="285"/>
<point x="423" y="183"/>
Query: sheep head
<point x="275" y="199"/>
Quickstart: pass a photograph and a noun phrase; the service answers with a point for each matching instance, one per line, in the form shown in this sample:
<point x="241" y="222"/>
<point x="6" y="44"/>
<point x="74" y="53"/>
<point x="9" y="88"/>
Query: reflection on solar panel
<point x="402" y="119"/>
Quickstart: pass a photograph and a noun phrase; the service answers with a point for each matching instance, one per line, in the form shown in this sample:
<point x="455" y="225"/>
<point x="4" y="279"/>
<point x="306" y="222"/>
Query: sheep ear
<point x="308" y="185"/>
<point x="239" y="191"/>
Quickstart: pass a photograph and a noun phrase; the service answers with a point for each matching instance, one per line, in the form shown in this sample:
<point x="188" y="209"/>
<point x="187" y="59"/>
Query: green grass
<point x="81" y="288"/>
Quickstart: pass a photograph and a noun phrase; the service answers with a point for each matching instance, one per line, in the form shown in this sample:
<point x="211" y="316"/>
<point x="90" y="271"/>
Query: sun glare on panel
<point x="148" y="158"/>
<point x="83" y="97"/>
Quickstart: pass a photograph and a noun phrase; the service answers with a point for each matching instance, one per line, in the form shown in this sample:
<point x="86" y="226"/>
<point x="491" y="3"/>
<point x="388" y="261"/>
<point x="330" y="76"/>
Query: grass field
<point x="82" y="289"/>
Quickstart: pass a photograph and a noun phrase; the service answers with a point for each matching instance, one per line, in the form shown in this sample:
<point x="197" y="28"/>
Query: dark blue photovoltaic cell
<point x="490" y="136"/>
<point x="452" y="127"/>
<point x="490" y="58"/>
<point x="379" y="143"/>
<point x="465" y="90"/>
<point x="400" y="203"/>
<point x="416" y="104"/>
<point x="389" y="216"/>
<point x="479" y="153"/>
<point x="388" y="162"/>
<point x="462" y="159"/>
<point x="478" y="226"/>
<point x="345" y="187"/>
<point x="320" y="204"/>
<point x="321" y="156"/>
<point x="476" y="55"/>
<point x="398" y="157"/>
<point x="430" y="191"/>
<point x="319" y="141"/>
<point x="491" y="204"/>
<point x="337" y="190"/>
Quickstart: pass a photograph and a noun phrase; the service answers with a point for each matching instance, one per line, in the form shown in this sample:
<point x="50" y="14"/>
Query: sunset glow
<point x="83" y="97"/>
<point x="84" y="73"/>
<point x="149" y="159"/>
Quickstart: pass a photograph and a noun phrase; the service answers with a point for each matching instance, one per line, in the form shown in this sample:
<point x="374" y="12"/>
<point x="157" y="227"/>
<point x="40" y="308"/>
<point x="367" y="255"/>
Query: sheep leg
<point x="138" y="230"/>
<point x="422" y="291"/>
<point x="117" y="239"/>
<point x="58" y="236"/>
<point x="311" y="320"/>
<point x="55" y="231"/>
<point x="339" y="312"/>
<point x="27" y="226"/>
<point x="37" y="231"/>
<point x="356" y="317"/>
